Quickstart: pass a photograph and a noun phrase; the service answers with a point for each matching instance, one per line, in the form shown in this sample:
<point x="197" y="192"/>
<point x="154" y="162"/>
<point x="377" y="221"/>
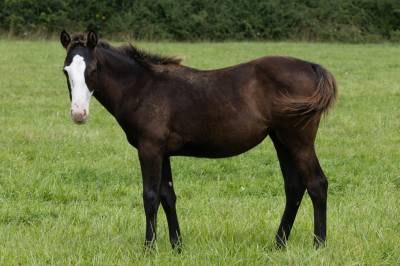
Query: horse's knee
<point x="167" y="195"/>
<point x="170" y="200"/>
<point x="150" y="198"/>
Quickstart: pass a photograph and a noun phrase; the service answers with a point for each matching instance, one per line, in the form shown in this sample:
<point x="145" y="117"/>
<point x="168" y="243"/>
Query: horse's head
<point x="80" y="68"/>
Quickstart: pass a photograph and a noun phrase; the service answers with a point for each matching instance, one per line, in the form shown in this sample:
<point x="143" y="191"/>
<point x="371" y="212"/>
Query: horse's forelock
<point x="77" y="39"/>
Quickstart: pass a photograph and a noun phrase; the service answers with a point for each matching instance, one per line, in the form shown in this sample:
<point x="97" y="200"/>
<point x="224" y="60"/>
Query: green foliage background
<point x="193" y="20"/>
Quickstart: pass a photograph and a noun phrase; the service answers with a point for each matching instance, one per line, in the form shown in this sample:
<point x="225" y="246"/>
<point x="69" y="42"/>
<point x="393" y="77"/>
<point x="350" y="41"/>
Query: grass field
<point x="72" y="194"/>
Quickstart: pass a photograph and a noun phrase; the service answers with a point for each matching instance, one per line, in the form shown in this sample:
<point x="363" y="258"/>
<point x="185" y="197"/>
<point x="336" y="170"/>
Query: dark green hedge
<point x="325" y="20"/>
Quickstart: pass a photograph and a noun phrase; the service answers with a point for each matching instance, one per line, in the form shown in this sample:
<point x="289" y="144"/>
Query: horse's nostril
<point x="79" y="116"/>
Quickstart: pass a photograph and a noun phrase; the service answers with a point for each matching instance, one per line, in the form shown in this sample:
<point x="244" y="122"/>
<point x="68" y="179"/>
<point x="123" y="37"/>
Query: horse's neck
<point x="116" y="83"/>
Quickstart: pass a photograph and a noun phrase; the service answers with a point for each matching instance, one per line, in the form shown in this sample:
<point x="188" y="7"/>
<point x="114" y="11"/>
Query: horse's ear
<point x="65" y="39"/>
<point x="92" y="39"/>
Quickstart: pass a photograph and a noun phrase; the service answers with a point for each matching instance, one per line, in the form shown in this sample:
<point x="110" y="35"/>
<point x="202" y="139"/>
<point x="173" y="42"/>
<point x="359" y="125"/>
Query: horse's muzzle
<point x="79" y="116"/>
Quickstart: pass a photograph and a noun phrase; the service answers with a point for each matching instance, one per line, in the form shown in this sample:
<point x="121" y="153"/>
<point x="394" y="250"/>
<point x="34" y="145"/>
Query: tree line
<point x="194" y="20"/>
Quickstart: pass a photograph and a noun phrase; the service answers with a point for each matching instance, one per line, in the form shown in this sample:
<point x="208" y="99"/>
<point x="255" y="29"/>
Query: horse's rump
<point x="306" y="103"/>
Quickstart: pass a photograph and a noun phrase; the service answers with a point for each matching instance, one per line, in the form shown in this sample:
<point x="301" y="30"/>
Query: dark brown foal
<point x="167" y="109"/>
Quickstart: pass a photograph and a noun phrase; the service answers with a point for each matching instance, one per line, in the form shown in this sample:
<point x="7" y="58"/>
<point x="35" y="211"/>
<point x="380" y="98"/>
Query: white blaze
<point x="80" y="93"/>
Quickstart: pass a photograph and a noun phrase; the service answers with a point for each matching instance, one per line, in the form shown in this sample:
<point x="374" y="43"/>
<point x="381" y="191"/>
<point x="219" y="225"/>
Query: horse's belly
<point x="220" y="142"/>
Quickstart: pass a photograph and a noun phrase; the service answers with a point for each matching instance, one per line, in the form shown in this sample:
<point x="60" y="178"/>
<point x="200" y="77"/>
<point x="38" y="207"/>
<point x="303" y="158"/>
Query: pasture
<point x="72" y="194"/>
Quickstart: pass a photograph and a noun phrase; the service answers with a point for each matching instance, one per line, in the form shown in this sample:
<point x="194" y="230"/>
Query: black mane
<point x="143" y="58"/>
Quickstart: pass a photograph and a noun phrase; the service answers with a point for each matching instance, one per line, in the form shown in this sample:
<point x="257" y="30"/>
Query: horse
<point x="168" y="109"/>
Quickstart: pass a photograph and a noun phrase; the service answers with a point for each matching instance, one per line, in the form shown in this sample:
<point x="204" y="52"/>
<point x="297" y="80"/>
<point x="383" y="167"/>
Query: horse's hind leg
<point x="317" y="188"/>
<point x="299" y="143"/>
<point x="294" y="190"/>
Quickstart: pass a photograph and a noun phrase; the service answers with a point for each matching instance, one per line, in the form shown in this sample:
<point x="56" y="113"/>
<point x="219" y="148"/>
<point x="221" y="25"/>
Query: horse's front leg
<point x="150" y="157"/>
<point x="168" y="201"/>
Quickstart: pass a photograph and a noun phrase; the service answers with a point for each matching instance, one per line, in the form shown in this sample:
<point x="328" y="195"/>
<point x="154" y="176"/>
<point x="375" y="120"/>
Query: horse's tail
<point x="319" y="102"/>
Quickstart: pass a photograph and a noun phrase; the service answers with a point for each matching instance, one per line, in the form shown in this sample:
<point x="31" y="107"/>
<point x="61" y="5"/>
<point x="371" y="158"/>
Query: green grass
<point x="72" y="194"/>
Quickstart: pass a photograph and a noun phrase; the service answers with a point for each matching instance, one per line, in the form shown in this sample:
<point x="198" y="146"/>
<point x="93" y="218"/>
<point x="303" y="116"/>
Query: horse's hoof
<point x="319" y="243"/>
<point x="149" y="246"/>
<point x="177" y="246"/>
